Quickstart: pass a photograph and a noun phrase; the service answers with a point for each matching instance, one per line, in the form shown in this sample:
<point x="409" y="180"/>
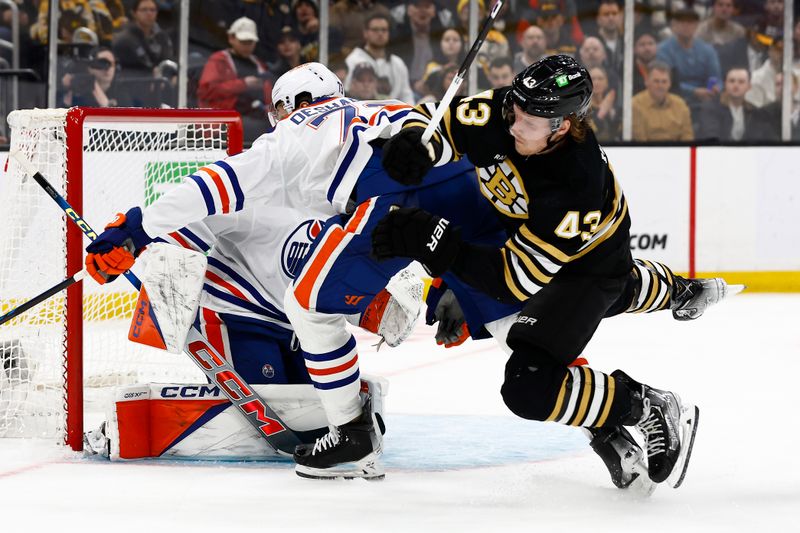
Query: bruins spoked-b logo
<point x="296" y="246"/>
<point x="501" y="185"/>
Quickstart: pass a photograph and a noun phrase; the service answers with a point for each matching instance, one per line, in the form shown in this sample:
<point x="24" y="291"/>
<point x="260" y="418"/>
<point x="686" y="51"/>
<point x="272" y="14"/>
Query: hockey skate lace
<point x="328" y="441"/>
<point x="655" y="441"/>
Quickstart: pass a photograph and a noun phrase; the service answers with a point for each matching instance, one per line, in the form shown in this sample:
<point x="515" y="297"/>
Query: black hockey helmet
<point x="553" y="87"/>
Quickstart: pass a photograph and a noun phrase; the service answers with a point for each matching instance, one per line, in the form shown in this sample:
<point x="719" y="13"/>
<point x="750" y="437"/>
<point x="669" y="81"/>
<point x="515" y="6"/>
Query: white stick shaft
<point x="462" y="72"/>
<point x="441" y="108"/>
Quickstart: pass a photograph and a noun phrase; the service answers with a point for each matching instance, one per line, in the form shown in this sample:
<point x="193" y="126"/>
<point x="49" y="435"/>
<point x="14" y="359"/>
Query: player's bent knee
<point x="530" y="390"/>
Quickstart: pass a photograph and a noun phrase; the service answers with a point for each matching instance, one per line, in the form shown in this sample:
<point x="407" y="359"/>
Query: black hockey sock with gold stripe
<point x="575" y="396"/>
<point x="655" y="285"/>
<point x="590" y="398"/>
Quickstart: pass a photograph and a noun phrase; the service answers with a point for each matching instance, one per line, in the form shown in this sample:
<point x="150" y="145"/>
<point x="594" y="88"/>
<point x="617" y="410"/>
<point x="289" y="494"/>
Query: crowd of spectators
<point x="702" y="69"/>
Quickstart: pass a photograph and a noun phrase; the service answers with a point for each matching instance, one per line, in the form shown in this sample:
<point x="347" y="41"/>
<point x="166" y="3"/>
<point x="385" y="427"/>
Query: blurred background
<point x="665" y="71"/>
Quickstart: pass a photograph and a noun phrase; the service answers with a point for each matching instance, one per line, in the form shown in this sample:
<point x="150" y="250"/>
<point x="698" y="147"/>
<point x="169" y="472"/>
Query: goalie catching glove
<point x="415" y="233"/>
<point x="115" y="250"/>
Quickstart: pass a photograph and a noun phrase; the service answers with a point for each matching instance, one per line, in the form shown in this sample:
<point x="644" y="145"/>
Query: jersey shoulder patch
<point x="502" y="185"/>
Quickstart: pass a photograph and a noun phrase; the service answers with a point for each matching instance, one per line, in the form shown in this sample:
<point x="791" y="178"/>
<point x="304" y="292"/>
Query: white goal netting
<point x="121" y="162"/>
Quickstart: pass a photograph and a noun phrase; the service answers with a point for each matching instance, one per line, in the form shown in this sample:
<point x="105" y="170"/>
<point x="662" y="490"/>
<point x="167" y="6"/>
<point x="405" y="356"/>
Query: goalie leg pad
<point x="196" y="421"/>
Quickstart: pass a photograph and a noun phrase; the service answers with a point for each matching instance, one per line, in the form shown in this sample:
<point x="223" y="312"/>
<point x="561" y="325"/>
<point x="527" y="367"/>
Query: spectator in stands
<point x="437" y="81"/>
<point x="495" y="45"/>
<point x="391" y="70"/>
<point x="289" y="53"/>
<point x="609" y="31"/>
<point x="762" y="91"/>
<point x="533" y="45"/>
<point x="644" y="51"/>
<point x="550" y="19"/>
<point x="350" y="16"/>
<point x="605" y="113"/>
<point x="694" y="63"/>
<point x="593" y="54"/>
<point x="570" y="11"/>
<point x="451" y="50"/>
<point x="771" y="22"/>
<point x="501" y="72"/>
<point x="236" y="79"/>
<point x="720" y="28"/>
<point x="659" y="115"/>
<point x="103" y="17"/>
<point x="416" y="39"/>
<point x="306" y="20"/>
<point x="731" y="118"/>
<point x="728" y="37"/>
<point x="270" y="17"/>
<point x="95" y="85"/>
<point x="774" y="111"/>
<point x="364" y="83"/>
<point x="141" y="45"/>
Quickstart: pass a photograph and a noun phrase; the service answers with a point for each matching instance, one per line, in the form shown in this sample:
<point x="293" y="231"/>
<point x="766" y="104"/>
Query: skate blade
<point x="734" y="289"/>
<point x="641" y="486"/>
<point x="690" y="417"/>
<point x="368" y="468"/>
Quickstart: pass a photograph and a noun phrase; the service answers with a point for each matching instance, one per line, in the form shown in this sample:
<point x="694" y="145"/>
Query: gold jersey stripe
<point x="609" y="400"/>
<point x="512" y="285"/>
<point x="540" y="276"/>
<point x="560" y="400"/>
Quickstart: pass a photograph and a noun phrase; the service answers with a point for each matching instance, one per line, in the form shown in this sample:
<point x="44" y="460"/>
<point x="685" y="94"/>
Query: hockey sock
<point x="575" y="396"/>
<point x="655" y="285"/>
<point x="590" y="398"/>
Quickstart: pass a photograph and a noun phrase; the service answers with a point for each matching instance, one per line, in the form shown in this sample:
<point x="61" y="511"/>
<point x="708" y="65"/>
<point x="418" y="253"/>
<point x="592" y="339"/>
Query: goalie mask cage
<point x="62" y="358"/>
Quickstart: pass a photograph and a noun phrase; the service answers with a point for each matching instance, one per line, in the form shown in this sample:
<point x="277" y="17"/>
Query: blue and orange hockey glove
<point x="115" y="250"/>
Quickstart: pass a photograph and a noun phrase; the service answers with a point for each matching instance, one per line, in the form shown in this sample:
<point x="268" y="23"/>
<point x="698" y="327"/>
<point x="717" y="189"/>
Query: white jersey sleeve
<point x="298" y="165"/>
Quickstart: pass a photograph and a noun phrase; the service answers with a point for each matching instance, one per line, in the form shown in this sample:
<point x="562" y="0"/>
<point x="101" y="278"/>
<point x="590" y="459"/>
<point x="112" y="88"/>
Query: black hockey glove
<point x="405" y="158"/>
<point x="412" y="232"/>
<point x="452" y="330"/>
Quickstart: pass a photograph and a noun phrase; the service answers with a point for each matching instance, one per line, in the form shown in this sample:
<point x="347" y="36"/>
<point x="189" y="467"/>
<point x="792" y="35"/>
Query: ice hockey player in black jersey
<point x="567" y="258"/>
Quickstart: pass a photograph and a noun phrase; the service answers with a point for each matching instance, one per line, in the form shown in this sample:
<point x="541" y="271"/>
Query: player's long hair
<point x="578" y="127"/>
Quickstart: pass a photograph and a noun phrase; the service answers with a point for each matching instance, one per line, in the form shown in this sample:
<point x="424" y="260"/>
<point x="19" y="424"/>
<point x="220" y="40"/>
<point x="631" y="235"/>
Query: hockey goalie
<point x="196" y="420"/>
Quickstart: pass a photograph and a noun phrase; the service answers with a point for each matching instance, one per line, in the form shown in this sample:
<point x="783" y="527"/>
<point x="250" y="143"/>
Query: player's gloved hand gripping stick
<point x="409" y="154"/>
<point x="219" y="371"/>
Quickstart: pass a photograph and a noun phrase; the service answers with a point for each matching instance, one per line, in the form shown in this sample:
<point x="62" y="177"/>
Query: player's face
<point x="530" y="133"/>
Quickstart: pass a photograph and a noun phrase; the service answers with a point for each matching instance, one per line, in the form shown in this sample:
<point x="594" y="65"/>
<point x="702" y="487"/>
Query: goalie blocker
<point x="196" y="421"/>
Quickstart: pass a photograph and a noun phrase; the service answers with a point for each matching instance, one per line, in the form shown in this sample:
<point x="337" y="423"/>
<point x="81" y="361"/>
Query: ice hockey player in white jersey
<point x="256" y="214"/>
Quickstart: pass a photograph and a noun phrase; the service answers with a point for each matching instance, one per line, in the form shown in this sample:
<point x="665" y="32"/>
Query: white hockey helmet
<point x="312" y="78"/>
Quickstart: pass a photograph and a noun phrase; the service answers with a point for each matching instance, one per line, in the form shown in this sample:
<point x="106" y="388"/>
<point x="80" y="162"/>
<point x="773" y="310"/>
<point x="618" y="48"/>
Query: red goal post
<point x="103" y="160"/>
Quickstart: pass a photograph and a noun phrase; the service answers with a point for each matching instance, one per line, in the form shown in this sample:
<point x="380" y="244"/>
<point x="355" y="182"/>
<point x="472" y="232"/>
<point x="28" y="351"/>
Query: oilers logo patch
<point x="296" y="246"/>
<point x="501" y="185"/>
<point x="268" y="371"/>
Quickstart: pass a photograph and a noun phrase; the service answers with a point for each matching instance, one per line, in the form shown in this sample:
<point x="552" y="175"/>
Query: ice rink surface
<point x="457" y="460"/>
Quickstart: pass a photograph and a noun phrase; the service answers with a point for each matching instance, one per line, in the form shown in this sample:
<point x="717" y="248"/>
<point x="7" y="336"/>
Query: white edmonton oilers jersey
<point x="253" y="256"/>
<point x="257" y="212"/>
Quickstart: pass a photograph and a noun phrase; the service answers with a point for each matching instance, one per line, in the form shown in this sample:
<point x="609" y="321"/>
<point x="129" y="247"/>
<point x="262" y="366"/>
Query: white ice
<point x="457" y="460"/>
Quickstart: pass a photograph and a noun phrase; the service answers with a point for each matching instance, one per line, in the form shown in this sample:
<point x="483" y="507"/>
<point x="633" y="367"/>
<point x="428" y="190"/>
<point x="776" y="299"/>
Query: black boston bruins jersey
<point x="564" y="211"/>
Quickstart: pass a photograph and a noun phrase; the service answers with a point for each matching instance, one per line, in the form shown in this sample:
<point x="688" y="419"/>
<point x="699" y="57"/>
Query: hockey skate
<point x="95" y="442"/>
<point x="623" y="458"/>
<point x="669" y="428"/>
<point x="691" y="297"/>
<point x="348" y="451"/>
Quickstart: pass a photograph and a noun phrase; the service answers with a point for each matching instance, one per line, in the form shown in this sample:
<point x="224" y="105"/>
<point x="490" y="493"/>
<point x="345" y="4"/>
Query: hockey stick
<point x="36" y="300"/>
<point x="216" y="368"/>
<point x="462" y="72"/>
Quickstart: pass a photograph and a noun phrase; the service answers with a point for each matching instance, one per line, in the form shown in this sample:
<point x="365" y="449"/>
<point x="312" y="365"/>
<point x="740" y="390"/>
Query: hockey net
<point x="62" y="358"/>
